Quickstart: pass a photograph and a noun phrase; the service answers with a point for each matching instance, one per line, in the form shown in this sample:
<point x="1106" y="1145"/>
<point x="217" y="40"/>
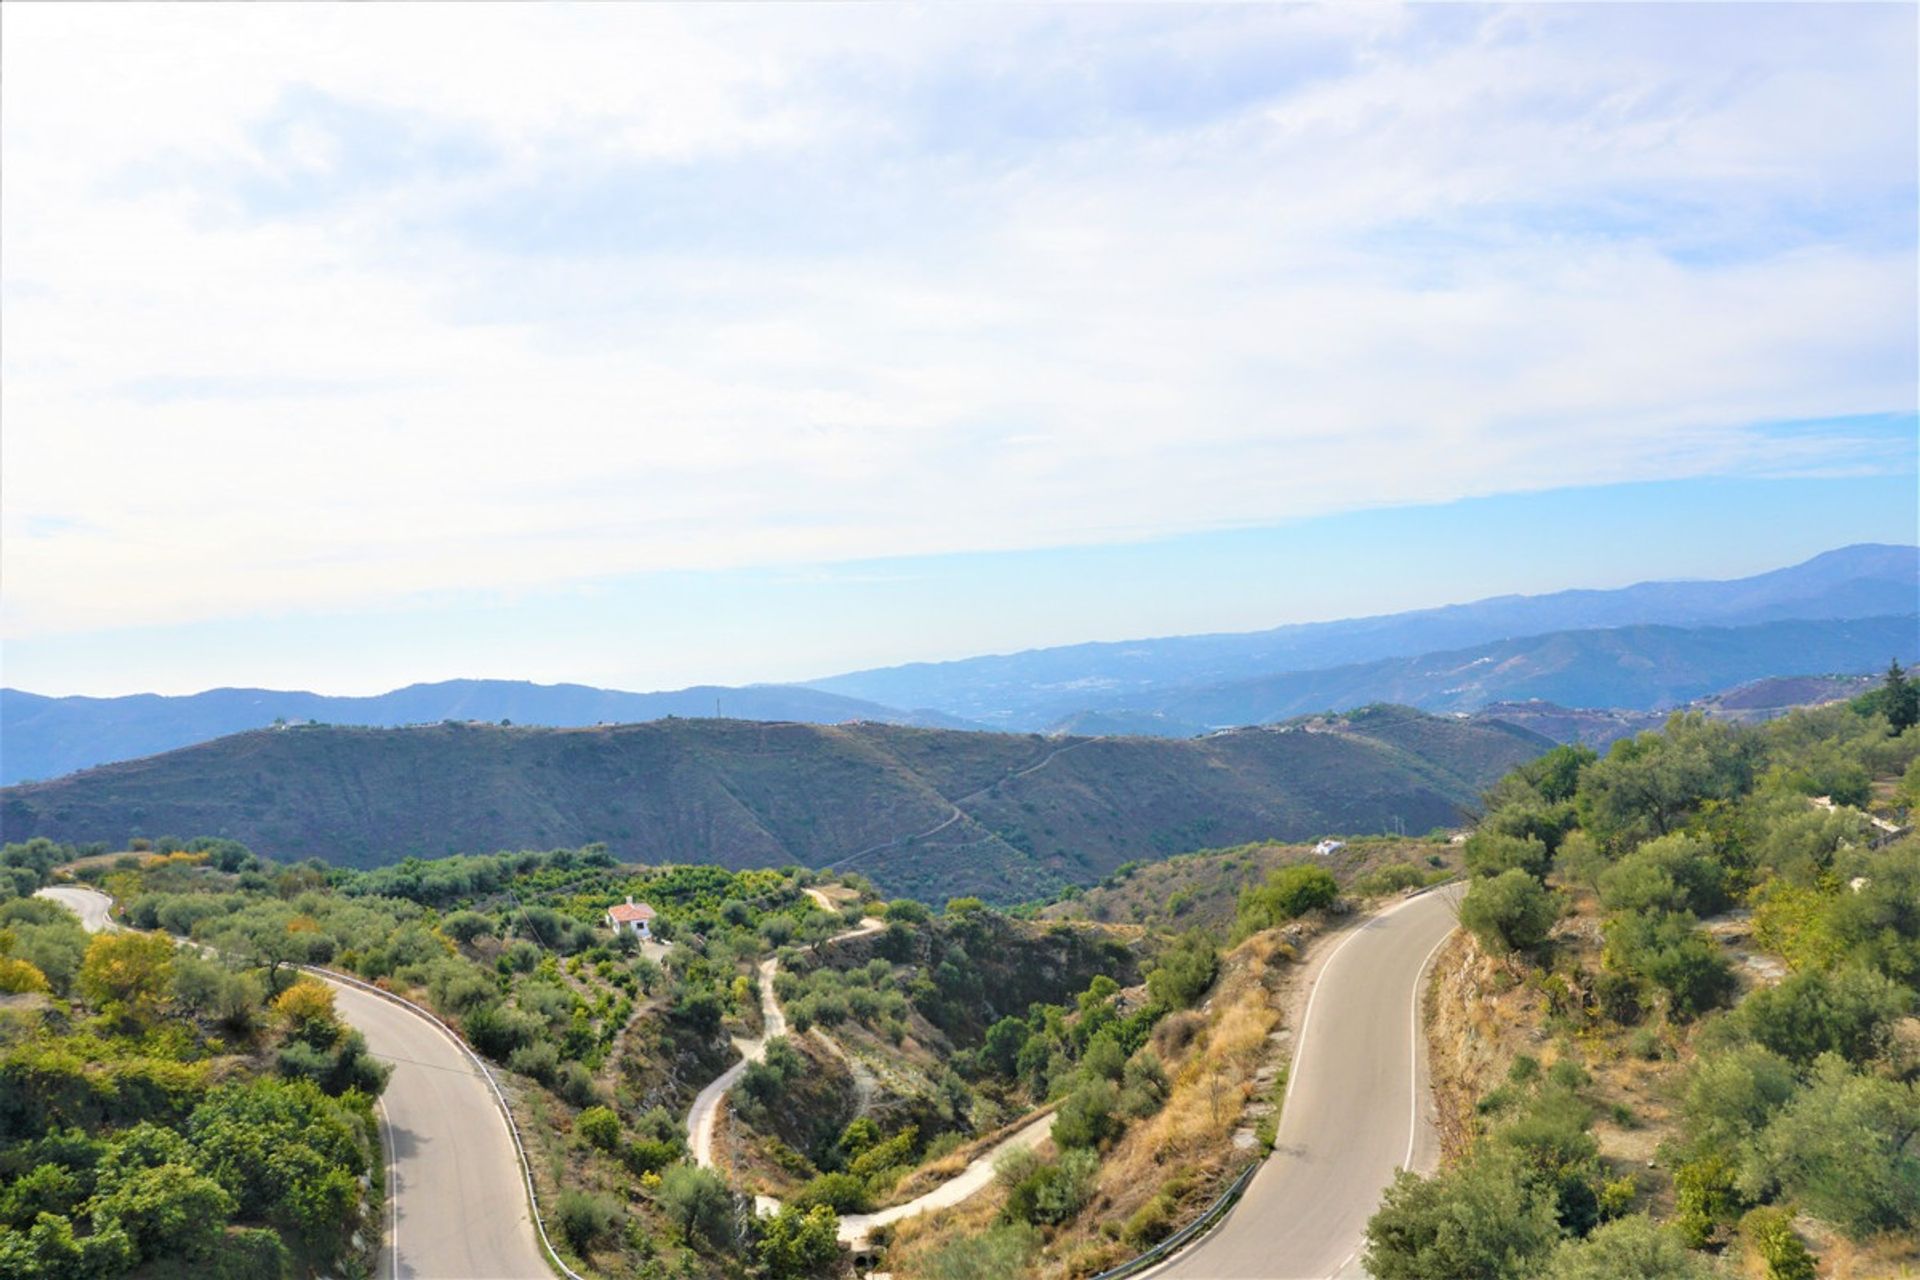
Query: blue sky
<point x="644" y="345"/>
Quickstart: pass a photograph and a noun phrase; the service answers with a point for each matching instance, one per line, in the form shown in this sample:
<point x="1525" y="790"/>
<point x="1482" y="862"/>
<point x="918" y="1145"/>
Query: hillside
<point x="1039" y="687"/>
<point x="47" y="737"/>
<point x="926" y="812"/>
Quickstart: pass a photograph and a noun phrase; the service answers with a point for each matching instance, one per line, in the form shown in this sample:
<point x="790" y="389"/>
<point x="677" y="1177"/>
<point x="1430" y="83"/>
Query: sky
<point x="348" y="346"/>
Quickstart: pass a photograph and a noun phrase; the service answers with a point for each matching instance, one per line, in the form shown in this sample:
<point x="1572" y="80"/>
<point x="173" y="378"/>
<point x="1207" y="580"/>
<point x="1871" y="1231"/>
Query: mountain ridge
<point x="929" y="812"/>
<point x="1037" y="687"/>
<point x="47" y="737"/>
<point x="1098" y="687"/>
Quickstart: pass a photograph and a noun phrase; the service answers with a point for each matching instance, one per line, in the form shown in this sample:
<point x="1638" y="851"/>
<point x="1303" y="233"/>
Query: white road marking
<point x="1419" y="984"/>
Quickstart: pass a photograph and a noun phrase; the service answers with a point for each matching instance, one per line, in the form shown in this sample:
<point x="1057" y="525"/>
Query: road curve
<point x="705" y="1112"/>
<point x="1358" y="1107"/>
<point x="94" y="908"/>
<point x="458" y="1204"/>
<point x="457" y="1208"/>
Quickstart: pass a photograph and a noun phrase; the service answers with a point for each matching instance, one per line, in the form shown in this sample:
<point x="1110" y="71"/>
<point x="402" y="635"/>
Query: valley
<point x="798" y="1071"/>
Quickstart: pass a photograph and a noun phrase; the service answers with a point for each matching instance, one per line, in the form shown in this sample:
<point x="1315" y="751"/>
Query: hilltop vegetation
<point x="1714" y="931"/>
<point x="925" y="813"/>
<point x="50" y="737"/>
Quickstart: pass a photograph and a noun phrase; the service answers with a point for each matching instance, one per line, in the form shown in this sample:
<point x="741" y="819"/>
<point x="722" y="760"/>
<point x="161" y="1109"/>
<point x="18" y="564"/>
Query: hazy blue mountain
<point x="1629" y="668"/>
<point x="44" y="737"/>
<point x="1042" y="687"/>
<point x="1748" y="703"/>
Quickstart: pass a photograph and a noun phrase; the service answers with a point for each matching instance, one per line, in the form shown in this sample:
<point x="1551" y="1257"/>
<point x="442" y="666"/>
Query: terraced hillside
<point x="927" y="812"/>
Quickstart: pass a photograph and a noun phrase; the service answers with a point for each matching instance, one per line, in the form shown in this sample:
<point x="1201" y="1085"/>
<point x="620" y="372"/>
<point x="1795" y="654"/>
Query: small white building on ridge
<point x="631" y="917"/>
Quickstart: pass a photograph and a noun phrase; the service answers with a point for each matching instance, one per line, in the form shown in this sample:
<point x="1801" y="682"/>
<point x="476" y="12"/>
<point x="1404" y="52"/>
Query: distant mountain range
<point x="1627" y="667"/>
<point x="928" y="812"/>
<point x="1754" y="701"/>
<point x="47" y="737"/>
<point x="1042" y="687"/>
<point x="1637" y="648"/>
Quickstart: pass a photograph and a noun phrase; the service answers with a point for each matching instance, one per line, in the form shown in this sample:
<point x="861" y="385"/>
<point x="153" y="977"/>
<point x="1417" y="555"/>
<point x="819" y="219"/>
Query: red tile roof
<point x="624" y="912"/>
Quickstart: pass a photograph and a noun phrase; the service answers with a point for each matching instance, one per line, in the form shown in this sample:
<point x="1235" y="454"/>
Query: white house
<point x="636" y="919"/>
<point x="1326" y="847"/>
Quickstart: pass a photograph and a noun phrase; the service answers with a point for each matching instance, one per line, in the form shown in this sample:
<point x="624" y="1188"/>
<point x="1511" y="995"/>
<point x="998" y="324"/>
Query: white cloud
<point x="330" y="305"/>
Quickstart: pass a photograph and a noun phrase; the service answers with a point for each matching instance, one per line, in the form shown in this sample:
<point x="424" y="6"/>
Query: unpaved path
<point x="854" y="1228"/>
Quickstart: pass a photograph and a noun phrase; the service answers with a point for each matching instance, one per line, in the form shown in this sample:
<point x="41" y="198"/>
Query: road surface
<point x="92" y="906"/>
<point x="856" y="1227"/>
<point x="458" y="1204"/>
<point x="457" y="1208"/>
<point x="1358" y="1106"/>
<point x="706" y="1107"/>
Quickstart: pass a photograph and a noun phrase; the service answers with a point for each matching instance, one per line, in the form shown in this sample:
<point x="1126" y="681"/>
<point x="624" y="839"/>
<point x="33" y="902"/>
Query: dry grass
<point x="1887" y="1257"/>
<point x="1212" y="1056"/>
<point x="913" y="1239"/>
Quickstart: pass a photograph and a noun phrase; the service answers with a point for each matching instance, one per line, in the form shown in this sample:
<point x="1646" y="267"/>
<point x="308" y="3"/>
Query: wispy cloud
<point x="340" y="305"/>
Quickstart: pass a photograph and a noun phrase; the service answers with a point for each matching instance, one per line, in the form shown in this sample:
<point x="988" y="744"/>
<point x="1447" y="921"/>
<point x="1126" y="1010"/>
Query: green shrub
<point x="586" y="1219"/>
<point x="1086" y="1118"/>
<point x="600" y="1127"/>
<point x="1509" y="912"/>
<point x="1850" y="1012"/>
<point x="1704" y="1198"/>
<point x="575" y="1084"/>
<point x="1394" y="878"/>
<point x="465" y="926"/>
<point x="795" y="1244"/>
<point x="1844" y="1149"/>
<point x="1151" y="1223"/>
<point x="1289" y="892"/>
<point x="1671" y="952"/>
<point x="1489" y="1218"/>
<point x="698" y="1203"/>
<point x="840" y="1191"/>
<point x="650" y="1155"/>
<point x="1488" y="853"/>
<point x="1048" y="1193"/>
<point x="1634" y="1248"/>
<point x="1185" y="970"/>
<point x="541" y="1061"/>
<point x="1769" y="1233"/>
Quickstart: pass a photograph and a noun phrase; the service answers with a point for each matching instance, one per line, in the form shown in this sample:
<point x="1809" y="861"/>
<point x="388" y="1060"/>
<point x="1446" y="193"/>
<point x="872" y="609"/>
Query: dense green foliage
<point x="1799" y="1097"/>
<point x="122" y="1146"/>
<point x="1287" y="893"/>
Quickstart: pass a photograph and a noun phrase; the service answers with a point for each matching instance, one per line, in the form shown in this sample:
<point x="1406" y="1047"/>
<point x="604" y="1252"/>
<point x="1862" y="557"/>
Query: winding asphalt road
<point x="457" y="1208"/>
<point x="1358" y="1107"/>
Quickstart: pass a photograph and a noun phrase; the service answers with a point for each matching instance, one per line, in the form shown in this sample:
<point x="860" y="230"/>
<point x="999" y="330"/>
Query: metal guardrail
<point x="500" y="1099"/>
<point x="1187" y="1234"/>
